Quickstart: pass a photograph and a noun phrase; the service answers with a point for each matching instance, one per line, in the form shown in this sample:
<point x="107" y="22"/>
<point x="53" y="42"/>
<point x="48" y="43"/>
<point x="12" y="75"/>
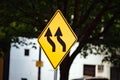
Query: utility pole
<point x="39" y="69"/>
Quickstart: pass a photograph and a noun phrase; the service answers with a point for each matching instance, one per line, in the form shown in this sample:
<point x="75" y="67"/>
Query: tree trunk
<point x="64" y="73"/>
<point x="5" y="45"/>
<point x="6" y="66"/>
<point x="64" y="68"/>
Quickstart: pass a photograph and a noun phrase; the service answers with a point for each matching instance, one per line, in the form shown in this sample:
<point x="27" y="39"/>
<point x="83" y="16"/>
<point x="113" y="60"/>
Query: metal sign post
<point x="55" y="74"/>
<point x="39" y="69"/>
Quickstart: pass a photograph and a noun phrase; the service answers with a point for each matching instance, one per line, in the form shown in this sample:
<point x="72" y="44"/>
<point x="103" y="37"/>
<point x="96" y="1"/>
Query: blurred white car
<point x="92" y="78"/>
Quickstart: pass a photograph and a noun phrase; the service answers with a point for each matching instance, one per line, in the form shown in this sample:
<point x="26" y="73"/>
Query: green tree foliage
<point x="95" y="22"/>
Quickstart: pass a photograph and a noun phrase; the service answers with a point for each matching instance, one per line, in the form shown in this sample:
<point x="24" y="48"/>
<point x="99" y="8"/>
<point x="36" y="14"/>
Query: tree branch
<point x="86" y="33"/>
<point x="106" y="28"/>
<point x="25" y="13"/>
<point x="85" y="17"/>
<point x="75" y="53"/>
<point x="18" y="8"/>
<point x="88" y="30"/>
<point x="76" y="14"/>
<point x="32" y="5"/>
<point x="60" y="4"/>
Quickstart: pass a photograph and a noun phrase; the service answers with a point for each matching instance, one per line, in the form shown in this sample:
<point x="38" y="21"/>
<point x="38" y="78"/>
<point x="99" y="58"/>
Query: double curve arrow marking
<point x="48" y="35"/>
<point x="58" y="34"/>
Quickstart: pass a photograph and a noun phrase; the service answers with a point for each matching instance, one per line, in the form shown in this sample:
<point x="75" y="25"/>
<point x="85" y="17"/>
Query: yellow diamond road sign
<point x="56" y="39"/>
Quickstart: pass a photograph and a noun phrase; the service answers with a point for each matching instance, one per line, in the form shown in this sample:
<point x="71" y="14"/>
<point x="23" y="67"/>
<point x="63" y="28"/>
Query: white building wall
<point x="22" y="66"/>
<point x="76" y="70"/>
<point x="25" y="66"/>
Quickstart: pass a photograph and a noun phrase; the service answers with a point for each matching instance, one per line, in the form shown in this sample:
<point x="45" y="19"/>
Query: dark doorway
<point x="89" y="70"/>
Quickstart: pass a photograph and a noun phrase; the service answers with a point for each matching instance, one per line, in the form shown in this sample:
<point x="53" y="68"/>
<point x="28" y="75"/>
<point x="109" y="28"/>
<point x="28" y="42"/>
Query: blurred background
<point x="95" y="22"/>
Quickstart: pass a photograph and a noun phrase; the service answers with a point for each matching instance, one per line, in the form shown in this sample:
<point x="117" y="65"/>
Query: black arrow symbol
<point x="58" y="34"/>
<point x="48" y="35"/>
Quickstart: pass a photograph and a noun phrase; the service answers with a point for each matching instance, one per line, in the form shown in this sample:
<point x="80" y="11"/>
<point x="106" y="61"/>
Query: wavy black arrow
<point x="48" y="35"/>
<point x="58" y="34"/>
